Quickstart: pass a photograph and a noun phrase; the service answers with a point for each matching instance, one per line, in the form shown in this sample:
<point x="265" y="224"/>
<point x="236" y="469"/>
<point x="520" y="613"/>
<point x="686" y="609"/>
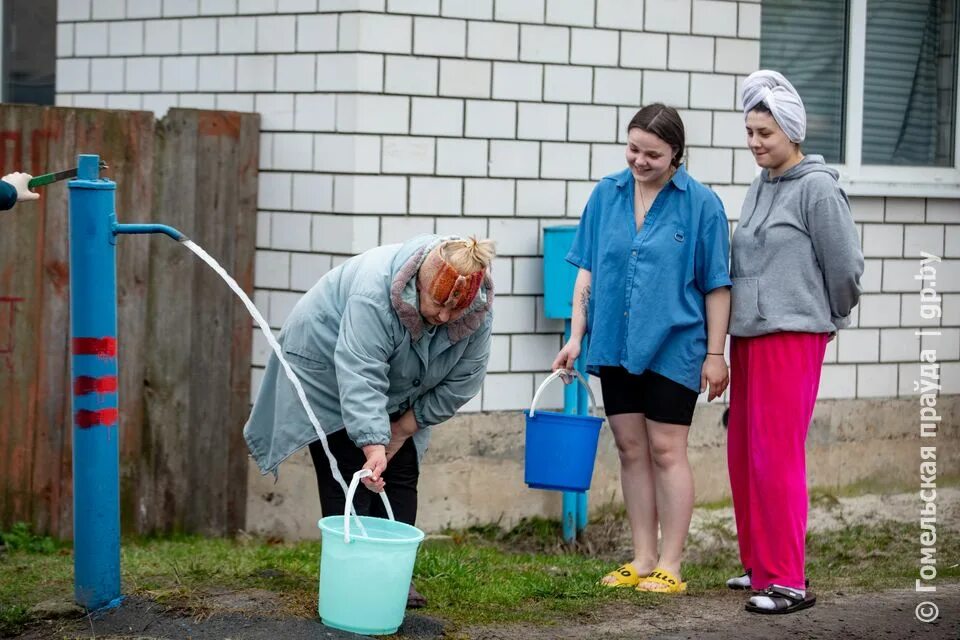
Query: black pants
<point x="401" y="477"/>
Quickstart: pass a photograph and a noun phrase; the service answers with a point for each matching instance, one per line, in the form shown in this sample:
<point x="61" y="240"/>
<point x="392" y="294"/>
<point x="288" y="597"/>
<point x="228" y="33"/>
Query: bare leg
<point x="636" y="478"/>
<point x="673" y="480"/>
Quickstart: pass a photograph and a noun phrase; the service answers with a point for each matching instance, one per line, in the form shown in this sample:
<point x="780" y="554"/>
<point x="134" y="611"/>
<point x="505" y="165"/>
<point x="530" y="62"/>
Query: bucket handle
<point x="553" y="376"/>
<point x="352" y="489"/>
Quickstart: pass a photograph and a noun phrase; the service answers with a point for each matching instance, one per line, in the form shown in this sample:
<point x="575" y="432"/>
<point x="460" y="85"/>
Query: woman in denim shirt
<point x="652" y="292"/>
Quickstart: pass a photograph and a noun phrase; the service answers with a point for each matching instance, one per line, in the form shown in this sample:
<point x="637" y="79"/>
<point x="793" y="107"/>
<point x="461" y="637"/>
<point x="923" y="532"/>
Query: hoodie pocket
<point x="745" y="302"/>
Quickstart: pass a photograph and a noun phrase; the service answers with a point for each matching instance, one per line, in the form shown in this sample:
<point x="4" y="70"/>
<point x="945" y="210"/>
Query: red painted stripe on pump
<point x="103" y="347"/>
<point x="83" y="385"/>
<point x="86" y="419"/>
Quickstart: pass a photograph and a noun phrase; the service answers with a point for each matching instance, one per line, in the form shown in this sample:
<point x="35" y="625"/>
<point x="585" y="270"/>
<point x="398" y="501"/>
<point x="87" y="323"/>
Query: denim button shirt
<point x="647" y="308"/>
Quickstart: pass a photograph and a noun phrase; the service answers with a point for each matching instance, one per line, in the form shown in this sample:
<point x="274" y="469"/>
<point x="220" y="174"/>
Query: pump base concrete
<point x="473" y="472"/>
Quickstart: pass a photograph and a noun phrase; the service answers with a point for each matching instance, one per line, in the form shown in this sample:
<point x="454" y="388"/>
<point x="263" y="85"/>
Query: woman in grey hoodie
<point x="796" y="265"/>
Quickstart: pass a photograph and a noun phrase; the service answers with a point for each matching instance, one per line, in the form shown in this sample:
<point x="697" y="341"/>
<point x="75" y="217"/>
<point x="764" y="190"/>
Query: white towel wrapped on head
<point x="775" y="91"/>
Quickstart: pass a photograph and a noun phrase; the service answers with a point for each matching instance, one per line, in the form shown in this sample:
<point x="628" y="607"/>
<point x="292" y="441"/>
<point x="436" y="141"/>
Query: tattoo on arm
<point x="585" y="301"/>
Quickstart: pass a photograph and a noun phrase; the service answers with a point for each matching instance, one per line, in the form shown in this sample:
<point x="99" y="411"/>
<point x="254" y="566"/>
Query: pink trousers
<point x="773" y="388"/>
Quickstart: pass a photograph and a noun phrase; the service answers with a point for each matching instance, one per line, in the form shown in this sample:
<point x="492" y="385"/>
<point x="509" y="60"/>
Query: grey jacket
<point x="795" y="257"/>
<point x="362" y="352"/>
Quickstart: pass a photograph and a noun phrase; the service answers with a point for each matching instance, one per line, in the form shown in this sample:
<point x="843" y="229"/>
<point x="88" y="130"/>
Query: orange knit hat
<point x="447" y="285"/>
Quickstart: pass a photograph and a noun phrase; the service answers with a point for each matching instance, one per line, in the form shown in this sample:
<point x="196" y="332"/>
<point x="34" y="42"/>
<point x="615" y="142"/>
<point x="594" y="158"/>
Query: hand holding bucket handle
<point x="557" y="374"/>
<point x="351" y="490"/>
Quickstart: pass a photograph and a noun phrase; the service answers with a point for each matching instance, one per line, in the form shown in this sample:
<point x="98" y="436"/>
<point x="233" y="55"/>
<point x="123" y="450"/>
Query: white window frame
<point x="885" y="180"/>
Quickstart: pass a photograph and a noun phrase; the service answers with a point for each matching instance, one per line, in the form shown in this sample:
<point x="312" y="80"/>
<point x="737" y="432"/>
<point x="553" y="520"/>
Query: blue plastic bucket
<point x="560" y="448"/>
<point x="365" y="571"/>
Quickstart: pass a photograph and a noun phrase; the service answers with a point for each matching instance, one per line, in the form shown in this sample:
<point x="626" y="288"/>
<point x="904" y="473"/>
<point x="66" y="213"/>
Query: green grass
<point x="32" y="569"/>
<point x="474" y="576"/>
<point x="713" y="505"/>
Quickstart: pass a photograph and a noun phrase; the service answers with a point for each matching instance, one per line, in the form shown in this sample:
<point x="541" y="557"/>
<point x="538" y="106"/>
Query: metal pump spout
<point x="88" y="170"/>
<point x="149" y="228"/>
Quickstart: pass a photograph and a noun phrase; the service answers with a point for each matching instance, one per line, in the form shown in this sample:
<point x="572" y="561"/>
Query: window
<point x="879" y="81"/>
<point x="29" y="51"/>
<point x="806" y="41"/>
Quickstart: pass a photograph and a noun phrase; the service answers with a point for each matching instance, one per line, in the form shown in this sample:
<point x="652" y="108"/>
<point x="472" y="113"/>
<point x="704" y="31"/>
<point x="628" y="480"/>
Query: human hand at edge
<point x="400" y="430"/>
<point x="715" y="375"/>
<point x="20" y="182"/>
<point x="567" y="358"/>
<point x="377" y="463"/>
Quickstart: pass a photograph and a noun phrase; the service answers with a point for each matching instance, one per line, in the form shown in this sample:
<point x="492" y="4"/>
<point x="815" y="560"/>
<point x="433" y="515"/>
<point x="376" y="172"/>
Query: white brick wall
<point x="439" y="37"/>
<point x="517" y="81"/>
<point x="667" y="87"/>
<point x="594" y="46"/>
<point x="465" y="78"/>
<point x="514" y="159"/>
<point x="538" y="121"/>
<point x="573" y="12"/>
<point x="540" y="197"/>
<point x="372" y="32"/>
<point x="488" y="197"/>
<point x="715" y="18"/>
<point x="439" y="196"/>
<point x="643" y="50"/>
<point x="407" y="155"/>
<point x="493" y="40"/>
<point x="592" y="124"/>
<point x="522" y="11"/>
<point x="668" y="15"/>
<point x="617" y="86"/>
<point x="544" y="44"/>
<point x="690" y="53"/>
<point x="442" y="117"/>
<point x="491" y="119"/>
<point x="386" y="118"/>
<point x="709" y="91"/>
<point x="179" y="74"/>
<point x="567" y="84"/>
<point x="620" y="14"/>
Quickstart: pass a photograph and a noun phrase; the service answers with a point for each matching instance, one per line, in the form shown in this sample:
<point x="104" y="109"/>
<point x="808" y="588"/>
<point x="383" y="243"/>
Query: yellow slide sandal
<point x="625" y="576"/>
<point x="661" y="581"/>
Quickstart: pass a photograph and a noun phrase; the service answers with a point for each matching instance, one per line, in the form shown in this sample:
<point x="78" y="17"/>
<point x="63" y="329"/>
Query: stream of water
<point x="268" y="333"/>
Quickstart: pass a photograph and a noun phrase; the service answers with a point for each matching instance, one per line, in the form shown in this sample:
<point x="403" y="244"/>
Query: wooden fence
<point x="184" y="339"/>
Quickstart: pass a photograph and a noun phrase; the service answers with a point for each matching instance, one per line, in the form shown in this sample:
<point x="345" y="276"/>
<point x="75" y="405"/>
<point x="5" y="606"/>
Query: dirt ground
<point x="240" y="616"/>
<point x="827" y="513"/>
<point x="703" y="617"/>
<point x="868" y="616"/>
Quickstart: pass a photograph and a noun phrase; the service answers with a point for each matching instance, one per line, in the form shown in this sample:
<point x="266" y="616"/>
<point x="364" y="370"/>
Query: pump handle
<point x="57" y="176"/>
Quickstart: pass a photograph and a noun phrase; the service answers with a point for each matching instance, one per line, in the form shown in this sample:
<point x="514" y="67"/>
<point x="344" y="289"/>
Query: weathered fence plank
<point x="184" y="339"/>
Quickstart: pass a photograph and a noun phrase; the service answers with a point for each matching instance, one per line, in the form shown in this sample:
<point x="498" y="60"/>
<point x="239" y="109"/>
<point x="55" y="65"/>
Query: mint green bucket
<point x="366" y="565"/>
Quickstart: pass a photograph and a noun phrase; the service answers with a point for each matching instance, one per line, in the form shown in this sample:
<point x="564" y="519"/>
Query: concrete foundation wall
<point x="473" y="473"/>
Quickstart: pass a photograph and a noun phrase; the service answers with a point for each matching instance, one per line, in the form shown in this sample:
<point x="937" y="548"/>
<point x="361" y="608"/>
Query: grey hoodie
<point x="796" y="260"/>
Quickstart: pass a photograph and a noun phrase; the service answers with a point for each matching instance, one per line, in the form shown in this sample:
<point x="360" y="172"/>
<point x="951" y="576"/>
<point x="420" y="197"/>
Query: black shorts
<point x="657" y="397"/>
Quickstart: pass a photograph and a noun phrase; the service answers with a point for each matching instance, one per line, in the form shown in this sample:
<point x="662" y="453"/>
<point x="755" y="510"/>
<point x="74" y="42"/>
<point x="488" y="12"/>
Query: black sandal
<point x="748" y="573"/>
<point x="737" y="587"/>
<point x="785" y="600"/>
